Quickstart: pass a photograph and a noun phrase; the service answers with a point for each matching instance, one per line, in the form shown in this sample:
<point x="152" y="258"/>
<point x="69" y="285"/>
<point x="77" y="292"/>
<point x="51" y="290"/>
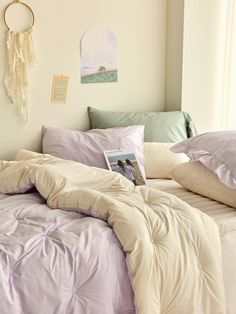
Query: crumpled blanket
<point x="172" y="250"/>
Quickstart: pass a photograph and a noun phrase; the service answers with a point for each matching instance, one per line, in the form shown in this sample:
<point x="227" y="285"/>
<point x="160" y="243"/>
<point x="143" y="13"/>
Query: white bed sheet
<point x="225" y="217"/>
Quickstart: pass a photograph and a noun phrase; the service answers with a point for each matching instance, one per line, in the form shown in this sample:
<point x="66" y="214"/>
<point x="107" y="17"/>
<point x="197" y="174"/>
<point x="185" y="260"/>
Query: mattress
<point x="225" y="218"/>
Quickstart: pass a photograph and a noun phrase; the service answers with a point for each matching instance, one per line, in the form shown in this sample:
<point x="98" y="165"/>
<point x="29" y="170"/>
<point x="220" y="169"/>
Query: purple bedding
<point x="54" y="261"/>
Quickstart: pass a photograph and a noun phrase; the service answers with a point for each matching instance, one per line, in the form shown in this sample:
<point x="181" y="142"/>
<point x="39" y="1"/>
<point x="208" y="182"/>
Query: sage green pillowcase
<point x="164" y="127"/>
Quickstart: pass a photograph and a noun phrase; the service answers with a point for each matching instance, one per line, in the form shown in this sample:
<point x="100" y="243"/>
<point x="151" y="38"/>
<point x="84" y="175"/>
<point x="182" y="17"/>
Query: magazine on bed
<point x="125" y="163"/>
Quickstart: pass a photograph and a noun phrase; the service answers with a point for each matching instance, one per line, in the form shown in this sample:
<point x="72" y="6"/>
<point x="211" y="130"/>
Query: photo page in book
<point x="126" y="164"/>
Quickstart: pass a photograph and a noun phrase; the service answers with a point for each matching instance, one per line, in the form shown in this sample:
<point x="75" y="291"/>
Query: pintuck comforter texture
<point x="172" y="250"/>
<point x="55" y="261"/>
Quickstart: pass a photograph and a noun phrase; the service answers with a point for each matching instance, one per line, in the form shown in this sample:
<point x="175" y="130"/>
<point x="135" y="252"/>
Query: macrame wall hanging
<point x="19" y="56"/>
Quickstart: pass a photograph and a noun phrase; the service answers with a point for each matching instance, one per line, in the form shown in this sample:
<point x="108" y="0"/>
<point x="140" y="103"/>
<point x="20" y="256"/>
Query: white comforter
<point x="172" y="250"/>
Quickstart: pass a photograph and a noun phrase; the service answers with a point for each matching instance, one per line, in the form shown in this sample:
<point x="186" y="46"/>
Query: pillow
<point x="215" y="150"/>
<point x="87" y="147"/>
<point x="165" y="127"/>
<point x="199" y="179"/>
<point x="159" y="160"/>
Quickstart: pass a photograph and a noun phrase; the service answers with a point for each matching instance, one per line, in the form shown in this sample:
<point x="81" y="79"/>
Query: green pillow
<point x="164" y="127"/>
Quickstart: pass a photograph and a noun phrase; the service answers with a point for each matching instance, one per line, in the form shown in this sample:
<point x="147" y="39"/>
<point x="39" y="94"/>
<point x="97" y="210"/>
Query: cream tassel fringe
<point x="20" y="55"/>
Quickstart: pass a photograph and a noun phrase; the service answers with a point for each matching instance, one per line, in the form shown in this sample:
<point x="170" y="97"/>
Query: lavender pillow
<point x="87" y="147"/>
<point x="216" y="151"/>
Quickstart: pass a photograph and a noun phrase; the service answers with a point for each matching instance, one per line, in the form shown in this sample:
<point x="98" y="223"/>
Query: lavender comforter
<point x="54" y="261"/>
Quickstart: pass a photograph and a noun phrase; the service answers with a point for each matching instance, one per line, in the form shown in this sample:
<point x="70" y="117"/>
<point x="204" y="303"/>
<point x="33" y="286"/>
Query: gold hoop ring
<point x="24" y="4"/>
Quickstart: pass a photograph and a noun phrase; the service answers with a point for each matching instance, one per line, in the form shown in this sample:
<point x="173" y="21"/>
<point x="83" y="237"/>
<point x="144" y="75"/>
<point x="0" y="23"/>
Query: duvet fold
<point x="173" y="251"/>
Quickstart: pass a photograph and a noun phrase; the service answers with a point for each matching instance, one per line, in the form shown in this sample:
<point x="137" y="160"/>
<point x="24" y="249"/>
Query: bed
<point x="76" y="238"/>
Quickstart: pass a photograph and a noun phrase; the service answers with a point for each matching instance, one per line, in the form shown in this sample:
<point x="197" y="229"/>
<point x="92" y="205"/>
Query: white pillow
<point x="199" y="179"/>
<point x="159" y="160"/>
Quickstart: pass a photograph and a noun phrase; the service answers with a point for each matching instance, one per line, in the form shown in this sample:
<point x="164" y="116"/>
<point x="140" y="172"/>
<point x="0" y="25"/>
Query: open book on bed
<point x="125" y="163"/>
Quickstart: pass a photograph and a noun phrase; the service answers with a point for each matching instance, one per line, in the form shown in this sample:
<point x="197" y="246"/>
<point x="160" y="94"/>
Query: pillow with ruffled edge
<point x="159" y="160"/>
<point x="197" y="178"/>
<point x="216" y="151"/>
<point x="88" y="147"/>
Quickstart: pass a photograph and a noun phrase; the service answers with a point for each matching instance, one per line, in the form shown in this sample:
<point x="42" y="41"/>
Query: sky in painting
<point x="98" y="48"/>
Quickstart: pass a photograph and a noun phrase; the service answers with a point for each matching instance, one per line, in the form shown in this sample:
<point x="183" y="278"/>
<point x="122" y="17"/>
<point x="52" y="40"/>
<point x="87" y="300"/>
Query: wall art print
<point x="98" y="56"/>
<point x="59" y="89"/>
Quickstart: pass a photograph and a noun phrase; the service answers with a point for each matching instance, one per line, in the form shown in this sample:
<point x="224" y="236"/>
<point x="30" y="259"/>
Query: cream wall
<point x="174" y="54"/>
<point x="203" y="59"/>
<point x="140" y="28"/>
<point x="195" y="60"/>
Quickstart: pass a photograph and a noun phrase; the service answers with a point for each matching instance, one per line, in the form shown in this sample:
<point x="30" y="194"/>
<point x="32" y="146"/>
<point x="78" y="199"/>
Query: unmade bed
<point x="76" y="238"/>
<point x="56" y="259"/>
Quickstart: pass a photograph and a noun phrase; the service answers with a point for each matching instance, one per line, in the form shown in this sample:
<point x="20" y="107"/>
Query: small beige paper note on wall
<point x="59" y="89"/>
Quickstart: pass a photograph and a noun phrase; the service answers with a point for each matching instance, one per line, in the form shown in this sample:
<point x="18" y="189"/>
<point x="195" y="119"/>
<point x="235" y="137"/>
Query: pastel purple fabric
<point x="216" y="151"/>
<point x="55" y="261"/>
<point x="88" y="147"/>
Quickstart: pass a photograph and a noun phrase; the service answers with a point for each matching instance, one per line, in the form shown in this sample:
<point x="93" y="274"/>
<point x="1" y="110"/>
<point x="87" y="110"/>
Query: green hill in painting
<point x="100" y="77"/>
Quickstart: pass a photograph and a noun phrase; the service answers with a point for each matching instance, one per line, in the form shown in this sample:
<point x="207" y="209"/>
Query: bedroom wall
<point x="195" y="60"/>
<point x="174" y="54"/>
<point x="203" y="59"/>
<point x="140" y="29"/>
